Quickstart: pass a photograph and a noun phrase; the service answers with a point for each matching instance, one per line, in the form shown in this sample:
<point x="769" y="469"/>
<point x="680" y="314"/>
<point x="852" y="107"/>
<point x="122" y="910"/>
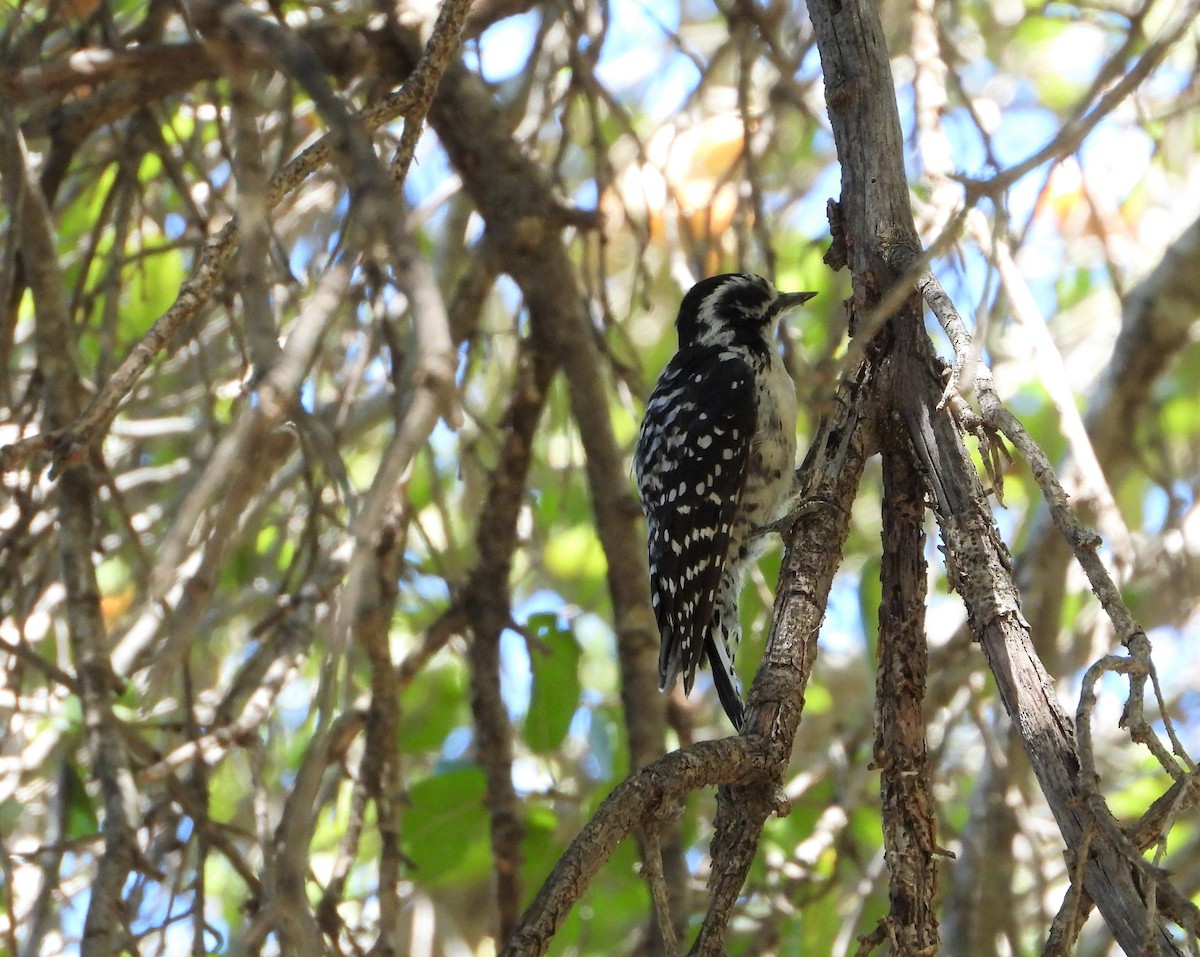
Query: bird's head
<point x="733" y="309"/>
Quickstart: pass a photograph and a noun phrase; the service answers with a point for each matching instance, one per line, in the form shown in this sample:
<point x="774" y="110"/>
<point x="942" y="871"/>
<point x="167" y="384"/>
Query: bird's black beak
<point x="789" y="300"/>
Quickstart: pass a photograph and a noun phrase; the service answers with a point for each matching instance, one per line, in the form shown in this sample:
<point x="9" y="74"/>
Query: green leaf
<point x="80" y="215"/>
<point x="81" y="816"/>
<point x="149" y="288"/>
<point x="446" y="827"/>
<point x="433" y="707"/>
<point x="817" y="699"/>
<point x="575" y="553"/>
<point x="554" y="661"/>
<point x="230" y="789"/>
<point x="1037" y="31"/>
<point x="542" y="847"/>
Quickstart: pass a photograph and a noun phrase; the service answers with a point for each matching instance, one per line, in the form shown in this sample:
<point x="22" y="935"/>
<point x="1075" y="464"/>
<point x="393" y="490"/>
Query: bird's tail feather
<point x="725" y="678"/>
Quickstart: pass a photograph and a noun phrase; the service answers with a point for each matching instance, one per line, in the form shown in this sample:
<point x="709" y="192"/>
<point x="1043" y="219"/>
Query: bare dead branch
<point x="524" y="225"/>
<point x="829" y="478"/>
<point x="873" y="205"/>
<point x="252" y="272"/>
<point x="645" y="796"/>
<point x="906" y="792"/>
<point x="660" y="894"/>
<point x="979" y="569"/>
<point x="266" y="675"/>
<point x="486" y="602"/>
<point x="1137" y="666"/>
<point x="381" y="768"/>
<point x="1094" y="487"/>
<point x="234" y="23"/>
<point x="1076" y="906"/>
<point x="443" y="43"/>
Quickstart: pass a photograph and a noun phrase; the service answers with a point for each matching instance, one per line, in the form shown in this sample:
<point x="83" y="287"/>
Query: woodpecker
<point x="715" y="461"/>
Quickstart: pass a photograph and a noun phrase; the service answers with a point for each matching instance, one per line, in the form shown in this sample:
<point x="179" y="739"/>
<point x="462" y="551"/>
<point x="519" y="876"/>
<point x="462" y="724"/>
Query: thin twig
<point x="1073" y="133"/>
<point x="652" y="871"/>
<point x="215" y="254"/>
<point x="1052" y="373"/>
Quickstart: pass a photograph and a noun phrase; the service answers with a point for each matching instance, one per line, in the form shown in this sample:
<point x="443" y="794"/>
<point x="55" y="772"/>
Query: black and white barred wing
<point x="691" y="464"/>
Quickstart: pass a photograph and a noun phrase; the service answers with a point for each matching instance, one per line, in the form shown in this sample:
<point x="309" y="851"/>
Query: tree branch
<point x="909" y="823"/>
<point x="1073" y="133"/>
<point x="105" y="929"/>
<point x="874" y="205"/>
<point x="652" y="794"/>
<point x="486" y="601"/>
<point x="216" y="252"/>
<point x="829" y="478"/>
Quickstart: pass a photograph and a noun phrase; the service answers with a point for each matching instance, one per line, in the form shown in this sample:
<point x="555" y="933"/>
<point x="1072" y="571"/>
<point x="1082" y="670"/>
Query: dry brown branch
<point x="775" y="702"/>
<point x="235" y="24"/>
<point x="251" y="574"/>
<point x="525" y="224"/>
<point x="660" y="894"/>
<point x="486" y="601"/>
<point x="906" y="794"/>
<point x="1076" y="905"/>
<point x="874" y="204"/>
<point x="1158" y="316"/>
<point x="424" y="80"/>
<point x="156" y="67"/>
<point x="252" y="271"/>
<point x="1093" y="485"/>
<point x="645" y="796"/>
<point x="1081" y="541"/>
<point x="105" y="930"/>
<point x="257" y="685"/>
<point x="426" y="393"/>
<point x="742" y="814"/>
<point x="284" y="906"/>
<point x="1137" y="666"/>
<point x="981" y="896"/>
<point x="1066" y="793"/>
<point x="982" y="576"/>
<point x="233" y="475"/>
<point x="448" y="624"/>
<point x="381" y="768"/>
<point x="1084" y="544"/>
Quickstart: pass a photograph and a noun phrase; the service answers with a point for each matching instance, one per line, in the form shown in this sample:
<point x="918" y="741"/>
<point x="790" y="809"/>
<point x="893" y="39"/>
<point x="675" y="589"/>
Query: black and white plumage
<point x="715" y="462"/>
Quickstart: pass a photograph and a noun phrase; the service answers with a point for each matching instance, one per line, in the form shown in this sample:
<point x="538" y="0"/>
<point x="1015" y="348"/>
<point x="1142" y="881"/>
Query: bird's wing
<point x="699" y="424"/>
